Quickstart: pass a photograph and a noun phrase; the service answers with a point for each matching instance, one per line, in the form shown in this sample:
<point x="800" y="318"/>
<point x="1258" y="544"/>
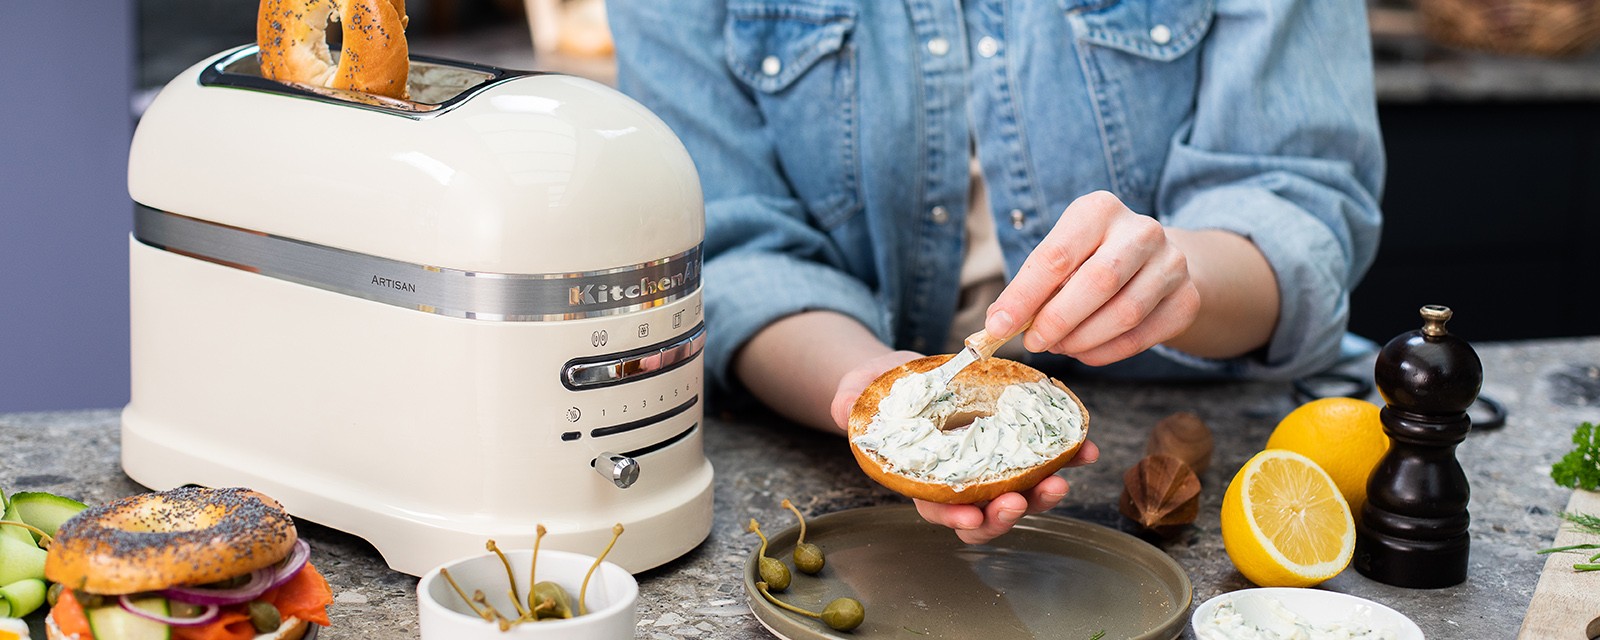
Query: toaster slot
<point x="436" y="85"/>
<point x="649" y="449"/>
<point x="601" y="432"/>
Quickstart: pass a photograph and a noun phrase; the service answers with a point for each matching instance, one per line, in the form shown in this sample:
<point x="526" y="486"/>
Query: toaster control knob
<point x="619" y="469"/>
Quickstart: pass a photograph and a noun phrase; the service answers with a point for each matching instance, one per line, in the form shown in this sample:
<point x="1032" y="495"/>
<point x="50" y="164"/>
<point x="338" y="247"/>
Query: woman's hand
<point x="1104" y="285"/>
<point x="980" y="523"/>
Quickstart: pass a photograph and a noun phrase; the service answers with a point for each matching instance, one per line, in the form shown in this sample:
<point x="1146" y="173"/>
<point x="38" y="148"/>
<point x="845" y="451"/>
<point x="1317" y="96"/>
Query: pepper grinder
<point x="1413" y="528"/>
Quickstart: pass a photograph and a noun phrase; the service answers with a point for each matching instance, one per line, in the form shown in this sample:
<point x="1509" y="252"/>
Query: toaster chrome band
<point x="456" y="293"/>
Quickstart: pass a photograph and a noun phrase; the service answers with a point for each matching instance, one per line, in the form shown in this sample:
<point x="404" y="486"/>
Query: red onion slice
<point x="206" y="615"/>
<point x="260" y="580"/>
<point x="292" y="564"/>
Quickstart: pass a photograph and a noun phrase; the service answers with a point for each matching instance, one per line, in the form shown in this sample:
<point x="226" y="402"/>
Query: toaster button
<point x="619" y="469"/>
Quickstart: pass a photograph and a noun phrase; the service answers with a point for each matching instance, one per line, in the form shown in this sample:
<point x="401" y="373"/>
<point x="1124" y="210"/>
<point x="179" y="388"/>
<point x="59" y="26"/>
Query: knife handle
<point x="986" y="344"/>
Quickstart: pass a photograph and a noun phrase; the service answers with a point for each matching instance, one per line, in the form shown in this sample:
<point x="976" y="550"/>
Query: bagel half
<point x="977" y="390"/>
<point x="293" y="40"/>
<point x="228" y="547"/>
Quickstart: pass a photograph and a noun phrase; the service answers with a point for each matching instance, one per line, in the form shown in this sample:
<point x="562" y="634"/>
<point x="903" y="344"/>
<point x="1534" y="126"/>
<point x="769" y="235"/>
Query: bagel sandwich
<point x="999" y="426"/>
<point x="185" y="564"/>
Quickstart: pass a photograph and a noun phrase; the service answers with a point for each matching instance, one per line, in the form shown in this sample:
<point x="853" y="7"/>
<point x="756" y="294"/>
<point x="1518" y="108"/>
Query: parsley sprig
<point x="1580" y="468"/>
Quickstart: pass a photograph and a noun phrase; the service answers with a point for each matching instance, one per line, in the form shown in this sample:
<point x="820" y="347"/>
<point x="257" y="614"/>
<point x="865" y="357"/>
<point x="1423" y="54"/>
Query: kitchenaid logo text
<point x="388" y="283"/>
<point x="646" y="288"/>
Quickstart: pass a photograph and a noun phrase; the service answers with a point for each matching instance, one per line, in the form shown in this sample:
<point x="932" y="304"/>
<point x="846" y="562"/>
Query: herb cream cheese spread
<point x="1227" y="623"/>
<point x="1033" y="422"/>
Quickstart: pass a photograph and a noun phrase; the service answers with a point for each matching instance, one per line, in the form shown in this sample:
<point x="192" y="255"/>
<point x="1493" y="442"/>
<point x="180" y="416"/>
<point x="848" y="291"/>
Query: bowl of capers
<point x="523" y="594"/>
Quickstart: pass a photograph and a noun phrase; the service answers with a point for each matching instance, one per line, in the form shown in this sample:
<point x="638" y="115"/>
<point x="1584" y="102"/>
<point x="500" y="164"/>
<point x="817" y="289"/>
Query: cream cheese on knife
<point x="1033" y="422"/>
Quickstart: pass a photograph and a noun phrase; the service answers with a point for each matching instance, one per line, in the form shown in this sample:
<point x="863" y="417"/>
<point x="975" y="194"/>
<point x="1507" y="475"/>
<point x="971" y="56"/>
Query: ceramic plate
<point x="1051" y="577"/>
<point x="1318" y="607"/>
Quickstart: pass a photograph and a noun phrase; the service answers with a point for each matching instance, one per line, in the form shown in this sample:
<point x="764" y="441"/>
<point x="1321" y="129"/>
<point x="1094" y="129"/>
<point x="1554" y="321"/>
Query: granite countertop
<point x="1548" y="387"/>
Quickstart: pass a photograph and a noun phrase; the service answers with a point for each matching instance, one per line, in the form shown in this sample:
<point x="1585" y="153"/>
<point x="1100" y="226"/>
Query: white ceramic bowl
<point x="1315" y="606"/>
<point x="612" y="601"/>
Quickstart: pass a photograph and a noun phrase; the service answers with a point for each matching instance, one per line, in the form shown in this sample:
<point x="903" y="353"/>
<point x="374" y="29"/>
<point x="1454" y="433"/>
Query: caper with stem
<point x="554" y="603"/>
<point x="807" y="557"/>
<point x="842" y="614"/>
<point x="772" y="570"/>
<point x="583" y="591"/>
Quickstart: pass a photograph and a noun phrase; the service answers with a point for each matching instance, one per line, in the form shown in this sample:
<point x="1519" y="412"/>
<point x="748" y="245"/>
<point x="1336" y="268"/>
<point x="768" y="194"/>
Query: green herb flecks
<point x="1098" y="635"/>
<point x="1580" y="468"/>
<point x="1585" y="523"/>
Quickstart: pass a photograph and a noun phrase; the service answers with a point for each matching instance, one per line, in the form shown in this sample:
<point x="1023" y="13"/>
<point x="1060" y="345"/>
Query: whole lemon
<point x="1342" y="435"/>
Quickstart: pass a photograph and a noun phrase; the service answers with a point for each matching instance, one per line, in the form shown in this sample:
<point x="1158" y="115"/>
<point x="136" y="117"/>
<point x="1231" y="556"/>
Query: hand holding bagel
<point x="977" y="456"/>
<point x="292" y="36"/>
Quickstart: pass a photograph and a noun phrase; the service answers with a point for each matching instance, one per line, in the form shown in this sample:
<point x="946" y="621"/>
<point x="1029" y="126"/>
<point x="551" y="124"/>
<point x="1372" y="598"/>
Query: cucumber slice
<point x="45" y="510"/>
<point x="113" y="623"/>
<point x="20" y="560"/>
<point x="20" y="598"/>
<point x="15" y="533"/>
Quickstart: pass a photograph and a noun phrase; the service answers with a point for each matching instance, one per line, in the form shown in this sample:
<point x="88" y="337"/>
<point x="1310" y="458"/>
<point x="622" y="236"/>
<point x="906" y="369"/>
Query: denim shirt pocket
<point x="797" y="58"/>
<point x="1141" y="62"/>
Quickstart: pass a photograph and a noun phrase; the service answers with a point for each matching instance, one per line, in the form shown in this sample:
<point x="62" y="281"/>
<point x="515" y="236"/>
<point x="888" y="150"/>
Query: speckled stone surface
<point x="1548" y="386"/>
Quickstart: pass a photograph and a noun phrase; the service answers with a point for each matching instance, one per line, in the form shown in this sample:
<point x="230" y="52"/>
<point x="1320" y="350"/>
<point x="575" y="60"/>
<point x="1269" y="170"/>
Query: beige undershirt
<point x="983" y="269"/>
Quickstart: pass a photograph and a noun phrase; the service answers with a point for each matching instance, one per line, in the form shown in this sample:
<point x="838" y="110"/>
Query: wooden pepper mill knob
<point x="1413" y="528"/>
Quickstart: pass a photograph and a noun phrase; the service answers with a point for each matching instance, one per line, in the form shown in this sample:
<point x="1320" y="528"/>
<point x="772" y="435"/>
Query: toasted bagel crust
<point x="292" y="36"/>
<point x="184" y="536"/>
<point x="980" y="384"/>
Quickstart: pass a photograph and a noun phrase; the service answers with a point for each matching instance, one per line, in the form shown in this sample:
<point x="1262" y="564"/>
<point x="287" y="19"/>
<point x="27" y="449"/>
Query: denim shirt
<point x="833" y="137"/>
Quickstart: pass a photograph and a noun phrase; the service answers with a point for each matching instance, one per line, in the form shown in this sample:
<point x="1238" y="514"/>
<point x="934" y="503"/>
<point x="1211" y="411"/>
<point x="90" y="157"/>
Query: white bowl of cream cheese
<point x="1299" y="614"/>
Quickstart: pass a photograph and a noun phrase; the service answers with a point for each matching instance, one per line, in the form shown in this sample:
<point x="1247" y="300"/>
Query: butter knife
<point x="978" y="346"/>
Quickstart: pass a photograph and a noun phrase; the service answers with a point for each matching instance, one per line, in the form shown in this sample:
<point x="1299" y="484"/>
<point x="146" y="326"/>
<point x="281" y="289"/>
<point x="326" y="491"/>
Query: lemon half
<point x="1285" y="523"/>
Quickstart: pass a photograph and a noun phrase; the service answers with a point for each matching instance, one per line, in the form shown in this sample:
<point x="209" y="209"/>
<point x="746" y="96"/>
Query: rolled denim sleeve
<point x="1284" y="149"/>
<point x="763" y="260"/>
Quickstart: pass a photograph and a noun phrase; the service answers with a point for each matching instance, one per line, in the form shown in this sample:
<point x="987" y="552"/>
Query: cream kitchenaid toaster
<point x="427" y="323"/>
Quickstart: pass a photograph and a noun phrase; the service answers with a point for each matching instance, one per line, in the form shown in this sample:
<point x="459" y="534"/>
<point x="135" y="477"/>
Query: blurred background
<point x="1490" y="111"/>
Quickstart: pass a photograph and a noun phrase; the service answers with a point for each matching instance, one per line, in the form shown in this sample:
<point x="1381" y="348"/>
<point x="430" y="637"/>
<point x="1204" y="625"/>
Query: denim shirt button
<point x="1016" y="218"/>
<point x="988" y="46"/>
<point x="938" y="46"/>
<point x="919" y="343"/>
<point x="771" y="65"/>
<point x="939" y="214"/>
<point x="1160" y="34"/>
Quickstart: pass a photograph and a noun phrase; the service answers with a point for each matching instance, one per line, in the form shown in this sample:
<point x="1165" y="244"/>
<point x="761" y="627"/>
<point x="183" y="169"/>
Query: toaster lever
<point x="619" y="469"/>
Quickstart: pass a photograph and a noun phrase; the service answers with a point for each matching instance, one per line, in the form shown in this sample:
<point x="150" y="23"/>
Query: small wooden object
<point x="1413" y="528"/>
<point x="1160" y="493"/>
<point x="1184" y="436"/>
